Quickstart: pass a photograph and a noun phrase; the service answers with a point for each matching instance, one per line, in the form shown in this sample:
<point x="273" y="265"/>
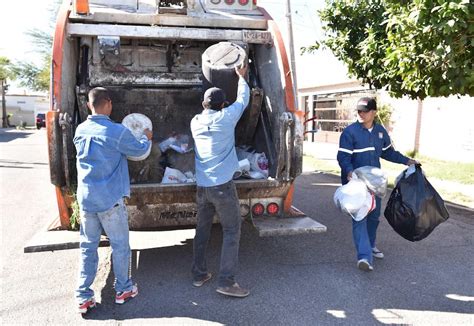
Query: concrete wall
<point x="446" y="131"/>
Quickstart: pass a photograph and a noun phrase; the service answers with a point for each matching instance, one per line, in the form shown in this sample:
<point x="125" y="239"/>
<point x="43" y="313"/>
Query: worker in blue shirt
<point x="102" y="181"/>
<point x="216" y="162"/>
<point x="363" y="143"/>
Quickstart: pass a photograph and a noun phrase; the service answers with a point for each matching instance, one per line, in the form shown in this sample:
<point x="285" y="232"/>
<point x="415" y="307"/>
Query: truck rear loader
<point x="149" y="55"/>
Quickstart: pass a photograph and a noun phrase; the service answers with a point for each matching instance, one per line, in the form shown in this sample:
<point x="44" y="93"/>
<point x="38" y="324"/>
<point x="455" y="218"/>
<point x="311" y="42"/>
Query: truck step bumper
<point x="297" y="223"/>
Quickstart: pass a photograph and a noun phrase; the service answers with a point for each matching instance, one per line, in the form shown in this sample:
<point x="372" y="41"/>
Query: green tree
<point x="417" y="48"/>
<point x="5" y="74"/>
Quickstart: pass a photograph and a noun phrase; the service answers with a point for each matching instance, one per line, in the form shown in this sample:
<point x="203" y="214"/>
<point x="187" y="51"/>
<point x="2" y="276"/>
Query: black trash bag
<point x="415" y="208"/>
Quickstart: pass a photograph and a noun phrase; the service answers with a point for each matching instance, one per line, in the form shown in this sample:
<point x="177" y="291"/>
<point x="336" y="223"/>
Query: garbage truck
<point x="156" y="59"/>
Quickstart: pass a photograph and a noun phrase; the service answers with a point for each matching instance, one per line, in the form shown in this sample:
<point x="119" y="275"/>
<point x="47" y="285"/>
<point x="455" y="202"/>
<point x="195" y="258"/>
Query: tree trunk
<point x="4" y="106"/>
<point x="418" y="126"/>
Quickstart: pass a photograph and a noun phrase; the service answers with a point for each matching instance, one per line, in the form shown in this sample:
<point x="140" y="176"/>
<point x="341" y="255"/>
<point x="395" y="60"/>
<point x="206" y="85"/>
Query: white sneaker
<point x="364" y="265"/>
<point x="377" y="253"/>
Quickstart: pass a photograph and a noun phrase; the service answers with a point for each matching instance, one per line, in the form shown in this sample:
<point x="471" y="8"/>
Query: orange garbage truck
<point x="157" y="58"/>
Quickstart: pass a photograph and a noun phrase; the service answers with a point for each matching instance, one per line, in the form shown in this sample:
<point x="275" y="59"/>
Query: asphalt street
<point x="295" y="280"/>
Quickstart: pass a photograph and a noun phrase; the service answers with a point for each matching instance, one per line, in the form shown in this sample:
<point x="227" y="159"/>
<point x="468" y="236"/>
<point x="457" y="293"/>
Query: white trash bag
<point x="174" y="176"/>
<point x="375" y="179"/>
<point x="355" y="199"/>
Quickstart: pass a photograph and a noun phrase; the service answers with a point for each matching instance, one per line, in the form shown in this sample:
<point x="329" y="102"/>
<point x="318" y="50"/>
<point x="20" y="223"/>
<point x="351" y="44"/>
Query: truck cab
<point x="149" y="54"/>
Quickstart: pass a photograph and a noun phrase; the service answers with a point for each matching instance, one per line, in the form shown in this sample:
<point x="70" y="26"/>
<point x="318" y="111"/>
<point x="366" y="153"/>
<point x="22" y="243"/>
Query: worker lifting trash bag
<point x="415" y="208"/>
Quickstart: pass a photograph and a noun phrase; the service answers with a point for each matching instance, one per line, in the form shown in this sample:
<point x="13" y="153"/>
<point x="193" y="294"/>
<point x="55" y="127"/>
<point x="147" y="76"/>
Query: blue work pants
<point x="364" y="232"/>
<point x="224" y="201"/>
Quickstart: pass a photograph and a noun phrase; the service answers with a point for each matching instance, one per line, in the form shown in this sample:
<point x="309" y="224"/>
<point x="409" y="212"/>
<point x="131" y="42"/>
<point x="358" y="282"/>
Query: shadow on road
<point x="7" y="135"/>
<point x="308" y="279"/>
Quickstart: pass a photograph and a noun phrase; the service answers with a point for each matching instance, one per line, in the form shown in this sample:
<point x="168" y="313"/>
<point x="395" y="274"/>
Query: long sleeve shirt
<point x="359" y="146"/>
<point x="214" y="139"/>
<point x="102" y="148"/>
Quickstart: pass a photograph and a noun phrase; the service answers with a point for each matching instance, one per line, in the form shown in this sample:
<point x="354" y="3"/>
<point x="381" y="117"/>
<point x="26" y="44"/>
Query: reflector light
<point x="273" y="208"/>
<point x="230" y="2"/>
<point x="243" y="2"/>
<point x="82" y="7"/>
<point x="254" y="2"/>
<point x="258" y="209"/>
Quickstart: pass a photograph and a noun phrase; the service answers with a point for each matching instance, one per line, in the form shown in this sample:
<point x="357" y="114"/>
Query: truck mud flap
<point x="294" y="223"/>
<point x="139" y="240"/>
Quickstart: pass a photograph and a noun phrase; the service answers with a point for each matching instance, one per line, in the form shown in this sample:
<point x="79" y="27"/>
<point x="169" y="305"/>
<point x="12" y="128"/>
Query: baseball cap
<point x="366" y="104"/>
<point x="214" y="97"/>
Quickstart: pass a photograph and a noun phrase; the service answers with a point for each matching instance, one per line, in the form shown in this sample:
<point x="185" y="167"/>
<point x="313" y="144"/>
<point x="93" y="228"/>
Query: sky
<point x="19" y="16"/>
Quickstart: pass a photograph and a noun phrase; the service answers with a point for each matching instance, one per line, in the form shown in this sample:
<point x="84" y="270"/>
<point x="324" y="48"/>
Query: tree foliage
<point x="30" y="75"/>
<point x="5" y="69"/>
<point x="418" y="48"/>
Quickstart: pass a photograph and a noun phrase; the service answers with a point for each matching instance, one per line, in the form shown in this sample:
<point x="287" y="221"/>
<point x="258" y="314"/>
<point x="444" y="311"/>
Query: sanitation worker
<point x="363" y="143"/>
<point x="216" y="161"/>
<point x="102" y="182"/>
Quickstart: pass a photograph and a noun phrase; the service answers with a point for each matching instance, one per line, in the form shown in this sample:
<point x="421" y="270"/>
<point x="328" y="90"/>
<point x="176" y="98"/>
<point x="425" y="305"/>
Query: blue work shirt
<point x="360" y="147"/>
<point x="214" y="140"/>
<point x="102" y="147"/>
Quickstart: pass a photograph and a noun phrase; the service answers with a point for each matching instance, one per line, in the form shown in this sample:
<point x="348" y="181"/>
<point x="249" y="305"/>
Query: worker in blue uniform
<point x="363" y="143"/>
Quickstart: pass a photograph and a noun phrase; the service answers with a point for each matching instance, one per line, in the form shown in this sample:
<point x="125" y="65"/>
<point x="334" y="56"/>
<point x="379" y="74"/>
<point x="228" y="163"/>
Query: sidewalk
<point x="447" y="189"/>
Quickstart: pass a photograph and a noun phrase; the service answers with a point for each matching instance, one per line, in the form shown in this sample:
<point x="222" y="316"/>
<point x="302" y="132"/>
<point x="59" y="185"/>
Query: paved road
<point x="300" y="280"/>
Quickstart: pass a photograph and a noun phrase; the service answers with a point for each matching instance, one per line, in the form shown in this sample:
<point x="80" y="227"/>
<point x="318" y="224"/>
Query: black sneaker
<point x="204" y="280"/>
<point x="233" y="291"/>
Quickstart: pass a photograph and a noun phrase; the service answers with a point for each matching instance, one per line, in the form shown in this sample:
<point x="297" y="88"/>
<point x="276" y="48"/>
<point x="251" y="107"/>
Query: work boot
<point x="233" y="291"/>
<point x="201" y="282"/>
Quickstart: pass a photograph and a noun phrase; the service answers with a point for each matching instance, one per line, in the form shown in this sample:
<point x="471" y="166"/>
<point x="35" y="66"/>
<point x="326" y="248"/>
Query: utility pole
<point x="292" y="51"/>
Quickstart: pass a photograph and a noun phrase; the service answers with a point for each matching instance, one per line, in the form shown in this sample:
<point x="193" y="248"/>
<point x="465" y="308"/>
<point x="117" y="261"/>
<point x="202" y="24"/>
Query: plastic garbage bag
<point x="415" y="208"/>
<point x="375" y="179"/>
<point x="406" y="173"/>
<point x="355" y="199"/>
<point x="258" y="163"/>
<point x="244" y="169"/>
<point x="173" y="176"/>
<point x="178" y="142"/>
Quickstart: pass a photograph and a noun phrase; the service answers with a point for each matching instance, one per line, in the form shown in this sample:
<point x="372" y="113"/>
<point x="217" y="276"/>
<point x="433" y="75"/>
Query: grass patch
<point x="445" y="170"/>
<point x="452" y="172"/>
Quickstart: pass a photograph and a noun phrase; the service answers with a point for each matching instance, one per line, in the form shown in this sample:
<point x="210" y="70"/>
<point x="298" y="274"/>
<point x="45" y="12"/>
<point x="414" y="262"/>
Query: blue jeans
<point x="364" y="232"/>
<point x="222" y="199"/>
<point x="115" y="224"/>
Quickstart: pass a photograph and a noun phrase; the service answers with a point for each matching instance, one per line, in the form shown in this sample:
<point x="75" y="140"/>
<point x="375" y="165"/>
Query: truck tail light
<point x="254" y="2"/>
<point x="229" y="2"/>
<point x="258" y="209"/>
<point x="243" y="2"/>
<point x="273" y="208"/>
<point x="82" y="7"/>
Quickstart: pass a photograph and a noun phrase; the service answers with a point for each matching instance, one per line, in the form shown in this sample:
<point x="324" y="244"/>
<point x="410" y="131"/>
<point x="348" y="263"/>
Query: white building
<point x="23" y="108"/>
